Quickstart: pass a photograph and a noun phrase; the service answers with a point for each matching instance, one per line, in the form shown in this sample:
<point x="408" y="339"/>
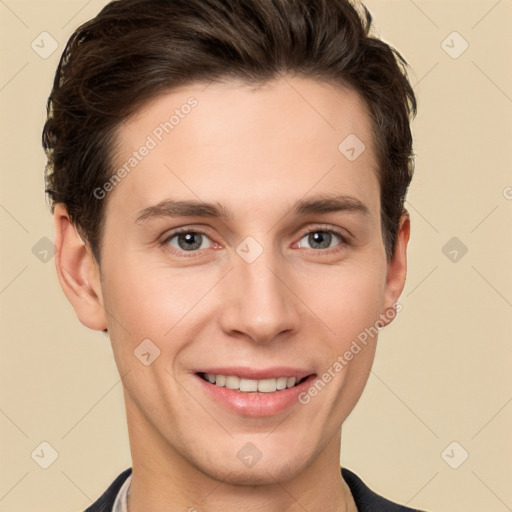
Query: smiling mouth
<point x="244" y="385"/>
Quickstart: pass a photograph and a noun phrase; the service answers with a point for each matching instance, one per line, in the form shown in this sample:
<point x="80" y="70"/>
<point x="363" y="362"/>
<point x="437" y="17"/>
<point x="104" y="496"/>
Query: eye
<point x="322" y="238"/>
<point x="187" y="240"/>
<point x="191" y="241"/>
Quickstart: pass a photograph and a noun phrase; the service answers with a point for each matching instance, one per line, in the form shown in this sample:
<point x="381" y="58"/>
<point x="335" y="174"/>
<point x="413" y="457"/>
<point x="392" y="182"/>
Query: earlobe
<point x="397" y="270"/>
<point x="78" y="272"/>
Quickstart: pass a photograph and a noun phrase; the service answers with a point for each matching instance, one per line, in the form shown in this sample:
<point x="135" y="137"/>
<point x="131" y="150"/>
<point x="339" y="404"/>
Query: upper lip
<point x="257" y="373"/>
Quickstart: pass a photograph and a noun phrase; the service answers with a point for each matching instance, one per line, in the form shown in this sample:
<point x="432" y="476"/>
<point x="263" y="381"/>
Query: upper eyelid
<point x="336" y="231"/>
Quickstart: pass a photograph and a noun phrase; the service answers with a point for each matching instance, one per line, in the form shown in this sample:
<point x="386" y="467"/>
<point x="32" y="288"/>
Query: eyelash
<point x="164" y="243"/>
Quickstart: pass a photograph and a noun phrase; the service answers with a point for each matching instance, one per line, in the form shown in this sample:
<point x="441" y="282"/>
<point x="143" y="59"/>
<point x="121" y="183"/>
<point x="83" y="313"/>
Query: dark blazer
<point x="366" y="500"/>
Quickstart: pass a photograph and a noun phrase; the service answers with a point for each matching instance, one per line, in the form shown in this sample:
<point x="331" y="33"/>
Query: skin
<point x="255" y="151"/>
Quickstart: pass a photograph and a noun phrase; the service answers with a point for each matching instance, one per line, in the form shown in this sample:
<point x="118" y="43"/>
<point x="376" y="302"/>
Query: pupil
<point x="188" y="238"/>
<point x="321" y="238"/>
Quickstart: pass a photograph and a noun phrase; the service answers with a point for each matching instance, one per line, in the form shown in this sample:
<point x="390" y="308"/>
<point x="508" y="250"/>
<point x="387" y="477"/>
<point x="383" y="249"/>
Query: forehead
<point x="243" y="145"/>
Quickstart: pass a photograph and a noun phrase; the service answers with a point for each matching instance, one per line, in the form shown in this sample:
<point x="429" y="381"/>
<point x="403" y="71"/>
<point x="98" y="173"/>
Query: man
<point x="227" y="180"/>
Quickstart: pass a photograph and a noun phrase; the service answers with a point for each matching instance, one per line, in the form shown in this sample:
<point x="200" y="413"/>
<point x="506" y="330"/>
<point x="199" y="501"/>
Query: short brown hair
<point x="135" y="50"/>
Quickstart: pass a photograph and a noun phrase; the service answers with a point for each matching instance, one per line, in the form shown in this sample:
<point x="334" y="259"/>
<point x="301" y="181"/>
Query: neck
<point x="164" y="480"/>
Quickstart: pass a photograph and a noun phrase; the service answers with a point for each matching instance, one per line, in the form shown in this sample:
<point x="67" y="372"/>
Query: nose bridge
<point x="261" y="305"/>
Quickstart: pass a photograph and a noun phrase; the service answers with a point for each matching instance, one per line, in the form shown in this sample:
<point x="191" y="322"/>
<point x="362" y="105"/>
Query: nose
<point x="258" y="299"/>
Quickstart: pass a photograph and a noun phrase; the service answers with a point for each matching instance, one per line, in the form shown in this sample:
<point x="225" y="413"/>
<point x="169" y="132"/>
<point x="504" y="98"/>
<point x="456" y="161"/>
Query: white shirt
<point x="121" y="503"/>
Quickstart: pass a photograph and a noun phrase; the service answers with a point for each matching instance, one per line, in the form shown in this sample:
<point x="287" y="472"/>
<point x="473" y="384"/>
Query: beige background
<point x="442" y="372"/>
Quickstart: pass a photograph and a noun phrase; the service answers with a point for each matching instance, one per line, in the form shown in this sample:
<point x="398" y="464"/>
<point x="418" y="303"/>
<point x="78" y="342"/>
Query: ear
<point x="397" y="270"/>
<point x="78" y="272"/>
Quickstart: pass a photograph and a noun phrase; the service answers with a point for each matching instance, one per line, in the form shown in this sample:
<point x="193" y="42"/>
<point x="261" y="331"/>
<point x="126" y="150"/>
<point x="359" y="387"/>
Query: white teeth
<point x="250" y="385"/>
<point x="281" y="382"/>
<point x="232" y="382"/>
<point x="267" y="385"/>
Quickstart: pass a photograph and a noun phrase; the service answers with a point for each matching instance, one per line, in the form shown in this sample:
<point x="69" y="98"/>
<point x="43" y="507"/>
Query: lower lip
<point x="255" y="403"/>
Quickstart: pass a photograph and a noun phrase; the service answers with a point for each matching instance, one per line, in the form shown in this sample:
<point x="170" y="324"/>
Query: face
<point x="244" y="246"/>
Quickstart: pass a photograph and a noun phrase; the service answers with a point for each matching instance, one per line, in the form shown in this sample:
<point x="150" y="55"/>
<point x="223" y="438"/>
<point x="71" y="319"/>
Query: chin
<point x="268" y="466"/>
<point x="260" y="474"/>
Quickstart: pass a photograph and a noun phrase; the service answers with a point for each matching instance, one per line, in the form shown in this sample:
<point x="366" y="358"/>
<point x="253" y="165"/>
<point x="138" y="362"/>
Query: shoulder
<point x="367" y="500"/>
<point x="107" y="499"/>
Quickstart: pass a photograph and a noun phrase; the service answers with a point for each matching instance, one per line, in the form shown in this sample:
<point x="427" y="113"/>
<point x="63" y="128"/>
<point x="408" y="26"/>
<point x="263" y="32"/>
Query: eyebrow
<point x="315" y="205"/>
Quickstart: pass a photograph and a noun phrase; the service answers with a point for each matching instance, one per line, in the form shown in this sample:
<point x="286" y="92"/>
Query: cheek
<point x="148" y="328"/>
<point x="142" y="303"/>
<point x="151" y="299"/>
<point x="168" y="306"/>
<point x="349" y="299"/>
